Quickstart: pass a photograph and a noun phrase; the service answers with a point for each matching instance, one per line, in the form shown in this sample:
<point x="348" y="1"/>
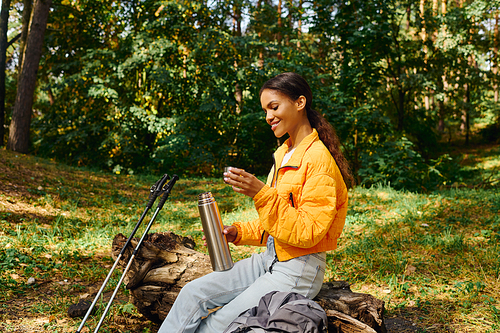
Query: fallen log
<point x="166" y="262"/>
<point x="163" y="265"/>
<point x="359" y="310"/>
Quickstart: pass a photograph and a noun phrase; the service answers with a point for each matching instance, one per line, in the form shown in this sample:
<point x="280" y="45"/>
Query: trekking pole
<point x="155" y="191"/>
<point x="167" y="190"/>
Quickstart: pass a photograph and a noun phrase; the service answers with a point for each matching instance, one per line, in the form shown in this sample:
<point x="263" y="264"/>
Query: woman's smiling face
<point x="283" y="114"/>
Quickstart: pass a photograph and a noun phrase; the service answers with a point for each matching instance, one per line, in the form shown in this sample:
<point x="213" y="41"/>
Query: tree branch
<point x="13" y="40"/>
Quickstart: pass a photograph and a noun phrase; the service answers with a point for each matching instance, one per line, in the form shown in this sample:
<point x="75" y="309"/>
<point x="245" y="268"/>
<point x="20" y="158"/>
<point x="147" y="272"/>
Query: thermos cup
<point x="218" y="249"/>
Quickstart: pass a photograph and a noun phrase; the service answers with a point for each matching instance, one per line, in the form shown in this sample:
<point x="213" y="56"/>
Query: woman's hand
<point x="230" y="231"/>
<point x="243" y="182"/>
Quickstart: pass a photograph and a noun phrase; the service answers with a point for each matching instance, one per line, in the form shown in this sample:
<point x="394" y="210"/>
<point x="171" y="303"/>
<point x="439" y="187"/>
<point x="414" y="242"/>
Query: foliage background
<point x="146" y="85"/>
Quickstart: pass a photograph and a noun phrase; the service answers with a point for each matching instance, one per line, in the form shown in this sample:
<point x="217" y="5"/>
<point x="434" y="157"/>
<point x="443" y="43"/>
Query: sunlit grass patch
<point x="484" y="163"/>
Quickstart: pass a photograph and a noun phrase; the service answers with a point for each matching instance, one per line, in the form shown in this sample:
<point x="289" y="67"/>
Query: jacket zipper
<point x="276" y="258"/>
<point x="275" y="175"/>
<point x="290" y="196"/>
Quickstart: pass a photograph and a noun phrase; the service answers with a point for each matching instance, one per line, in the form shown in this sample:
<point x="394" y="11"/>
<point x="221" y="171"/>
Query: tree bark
<point x="401" y="109"/>
<point x="423" y="36"/>
<point x="465" y="117"/>
<point x="4" y="22"/>
<point x="162" y="266"/>
<point x="279" y="30"/>
<point x="290" y="22"/>
<point x="258" y="27"/>
<point x="166" y="262"/>
<point x="237" y="19"/>
<point x="19" y="131"/>
<point x="238" y="93"/>
<point x="495" y="58"/>
<point x="299" y="27"/>
<point x="27" y="11"/>
<point x="442" y="104"/>
<point x="358" y="310"/>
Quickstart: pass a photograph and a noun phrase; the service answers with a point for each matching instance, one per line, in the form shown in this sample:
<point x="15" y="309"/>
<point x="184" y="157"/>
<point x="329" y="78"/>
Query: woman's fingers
<point x="231" y="233"/>
<point x="243" y="182"/>
<point x="233" y="176"/>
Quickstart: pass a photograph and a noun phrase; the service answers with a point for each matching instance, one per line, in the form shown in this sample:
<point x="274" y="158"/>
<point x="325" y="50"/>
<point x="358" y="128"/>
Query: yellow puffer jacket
<point x="303" y="205"/>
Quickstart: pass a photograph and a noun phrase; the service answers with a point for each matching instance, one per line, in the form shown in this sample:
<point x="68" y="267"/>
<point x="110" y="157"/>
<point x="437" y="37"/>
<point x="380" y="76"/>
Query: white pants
<point x="241" y="288"/>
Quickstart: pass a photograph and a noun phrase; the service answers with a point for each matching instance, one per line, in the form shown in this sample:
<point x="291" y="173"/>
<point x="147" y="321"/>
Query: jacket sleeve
<point x="250" y="233"/>
<point x="306" y="224"/>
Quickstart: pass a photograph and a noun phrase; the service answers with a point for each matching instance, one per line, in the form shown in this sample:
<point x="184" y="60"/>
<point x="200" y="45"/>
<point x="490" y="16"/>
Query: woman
<point x="302" y="211"/>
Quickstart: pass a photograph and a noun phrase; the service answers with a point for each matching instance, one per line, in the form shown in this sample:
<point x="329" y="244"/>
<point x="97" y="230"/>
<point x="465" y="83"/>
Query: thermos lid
<point x="205" y="198"/>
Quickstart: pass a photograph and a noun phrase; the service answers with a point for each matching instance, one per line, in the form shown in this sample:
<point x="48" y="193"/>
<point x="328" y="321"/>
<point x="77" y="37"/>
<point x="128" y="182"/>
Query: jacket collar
<point x="299" y="152"/>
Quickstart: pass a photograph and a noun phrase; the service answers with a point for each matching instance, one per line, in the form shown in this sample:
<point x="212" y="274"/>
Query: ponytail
<point x="329" y="137"/>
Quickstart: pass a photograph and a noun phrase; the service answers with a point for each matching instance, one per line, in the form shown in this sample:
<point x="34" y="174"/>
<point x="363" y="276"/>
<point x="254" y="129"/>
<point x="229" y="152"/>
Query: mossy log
<point x="166" y="262"/>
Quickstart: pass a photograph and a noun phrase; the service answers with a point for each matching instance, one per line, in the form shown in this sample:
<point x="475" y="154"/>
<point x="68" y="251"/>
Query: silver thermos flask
<point x="218" y="249"/>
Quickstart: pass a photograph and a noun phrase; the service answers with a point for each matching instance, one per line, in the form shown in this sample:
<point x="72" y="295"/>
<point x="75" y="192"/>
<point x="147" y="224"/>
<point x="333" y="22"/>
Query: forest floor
<point x="432" y="257"/>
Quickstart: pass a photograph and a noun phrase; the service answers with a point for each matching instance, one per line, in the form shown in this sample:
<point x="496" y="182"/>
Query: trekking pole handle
<point x="157" y="189"/>
<point x="168" y="188"/>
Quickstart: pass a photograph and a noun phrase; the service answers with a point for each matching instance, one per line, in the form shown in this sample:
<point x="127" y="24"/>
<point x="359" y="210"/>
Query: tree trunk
<point x="260" y="61"/>
<point x="400" y="106"/>
<point x="471" y="62"/>
<point x="441" y="117"/>
<point x="290" y="21"/>
<point x="465" y="125"/>
<point x="401" y="100"/>
<point x="444" y="86"/>
<point x="19" y="131"/>
<point x="238" y="93"/>
<point x="237" y="19"/>
<point x="435" y="7"/>
<point x="4" y="22"/>
<point x="27" y="11"/>
<point x="166" y="262"/>
<point x="299" y="27"/>
<point x="423" y="35"/>
<point x="408" y="15"/>
<point x="495" y="58"/>
<point x="279" y="30"/>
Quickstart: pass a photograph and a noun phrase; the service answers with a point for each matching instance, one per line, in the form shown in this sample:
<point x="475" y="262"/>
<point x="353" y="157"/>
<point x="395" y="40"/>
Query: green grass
<point x="433" y="258"/>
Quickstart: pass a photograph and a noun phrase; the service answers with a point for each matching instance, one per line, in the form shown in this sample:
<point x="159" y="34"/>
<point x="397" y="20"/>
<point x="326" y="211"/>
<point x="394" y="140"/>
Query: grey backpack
<point x="281" y="312"/>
